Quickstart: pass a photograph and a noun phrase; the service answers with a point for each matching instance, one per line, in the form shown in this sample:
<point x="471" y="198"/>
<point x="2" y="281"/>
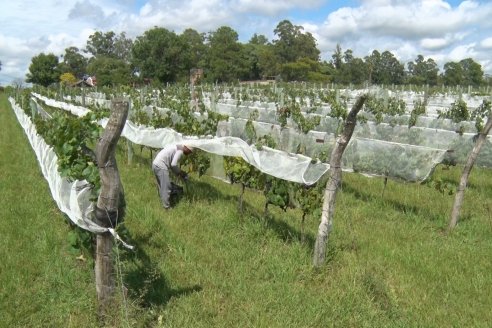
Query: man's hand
<point x="184" y="176"/>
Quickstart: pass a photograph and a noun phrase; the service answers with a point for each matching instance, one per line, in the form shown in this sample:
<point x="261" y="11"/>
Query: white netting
<point x="72" y="198"/>
<point x="288" y="166"/>
<point x="389" y="148"/>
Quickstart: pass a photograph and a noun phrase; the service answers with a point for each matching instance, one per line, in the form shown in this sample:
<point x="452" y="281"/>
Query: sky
<point x="444" y="30"/>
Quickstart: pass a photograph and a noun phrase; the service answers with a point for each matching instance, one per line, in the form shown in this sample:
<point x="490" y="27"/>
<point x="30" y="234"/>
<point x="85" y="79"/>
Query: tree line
<point x="162" y="56"/>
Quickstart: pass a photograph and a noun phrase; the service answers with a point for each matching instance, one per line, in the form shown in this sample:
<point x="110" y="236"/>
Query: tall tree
<point x="158" y="54"/>
<point x="423" y="71"/>
<point x="356" y="71"/>
<point x="337" y="57"/>
<point x="43" y="70"/>
<point x="194" y="48"/>
<point x="73" y="62"/>
<point x="111" y="61"/>
<point x="110" y="45"/>
<point x="348" y="69"/>
<point x="257" y="51"/>
<point x="267" y="61"/>
<point x="122" y="47"/>
<point x="472" y="72"/>
<point x="453" y="74"/>
<point x="101" y="44"/>
<point x="304" y="69"/>
<point x="110" y="71"/>
<point x="258" y="39"/>
<point x="384" y="68"/>
<point x="226" y="59"/>
<point x="292" y="44"/>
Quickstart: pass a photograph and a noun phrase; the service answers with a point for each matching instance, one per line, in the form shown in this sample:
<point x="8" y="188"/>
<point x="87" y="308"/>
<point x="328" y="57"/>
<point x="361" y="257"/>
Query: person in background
<point x="168" y="160"/>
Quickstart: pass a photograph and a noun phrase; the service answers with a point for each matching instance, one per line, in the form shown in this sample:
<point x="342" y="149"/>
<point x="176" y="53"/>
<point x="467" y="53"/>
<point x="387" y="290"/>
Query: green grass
<point x="202" y="264"/>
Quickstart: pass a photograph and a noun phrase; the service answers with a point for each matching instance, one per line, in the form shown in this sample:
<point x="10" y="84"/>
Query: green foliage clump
<point x="457" y="113"/>
<point x="276" y="192"/>
<point x="197" y="162"/>
<point x="71" y="138"/>
<point x="441" y="185"/>
<point x="382" y="107"/>
<point x="481" y="113"/>
<point x="418" y="109"/>
<point x="240" y="171"/>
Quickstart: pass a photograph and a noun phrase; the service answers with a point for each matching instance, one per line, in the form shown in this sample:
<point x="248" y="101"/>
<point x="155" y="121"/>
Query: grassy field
<point x="202" y="264"/>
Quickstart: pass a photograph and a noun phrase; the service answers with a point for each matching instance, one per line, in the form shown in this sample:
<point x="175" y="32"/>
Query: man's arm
<point x="175" y="162"/>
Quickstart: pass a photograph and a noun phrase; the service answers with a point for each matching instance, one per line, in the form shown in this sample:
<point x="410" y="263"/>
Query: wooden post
<point x="83" y="96"/>
<point x="129" y="144"/>
<point x="110" y="204"/>
<point x="333" y="183"/>
<point x="460" y="193"/>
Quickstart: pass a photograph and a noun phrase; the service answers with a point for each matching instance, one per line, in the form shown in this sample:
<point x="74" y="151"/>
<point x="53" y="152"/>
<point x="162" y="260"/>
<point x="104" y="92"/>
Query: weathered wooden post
<point x="460" y="193"/>
<point x="333" y="183"/>
<point x="111" y="203"/>
<point x="83" y="95"/>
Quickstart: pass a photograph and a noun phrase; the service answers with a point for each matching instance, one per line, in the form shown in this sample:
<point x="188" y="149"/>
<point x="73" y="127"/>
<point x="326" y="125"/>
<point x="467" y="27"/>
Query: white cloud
<point x="406" y="19"/>
<point x="486" y="43"/>
<point x="462" y="51"/>
<point x="407" y="28"/>
<point x="443" y="42"/>
<point x="273" y="7"/>
<point x="434" y="43"/>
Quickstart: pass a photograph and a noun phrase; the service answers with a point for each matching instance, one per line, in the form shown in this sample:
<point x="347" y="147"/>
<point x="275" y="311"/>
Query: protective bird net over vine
<point x="72" y="197"/>
<point x="406" y="144"/>
<point x="287" y="166"/>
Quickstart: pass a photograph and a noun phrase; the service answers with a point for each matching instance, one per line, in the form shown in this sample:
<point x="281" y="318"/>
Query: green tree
<point x="226" y="58"/>
<point x="267" y="61"/>
<point x="110" y="71"/>
<point x="337" y="57"/>
<point x="194" y="48"/>
<point x="384" y="68"/>
<point x="101" y="44"/>
<point x="302" y="70"/>
<point x="259" y="40"/>
<point x="292" y="44"/>
<point x="73" y="62"/>
<point x="453" y="74"/>
<point x="110" y="45"/>
<point x="422" y="71"/>
<point x="111" y="61"/>
<point x="256" y="51"/>
<point x="356" y="70"/>
<point x="122" y="47"/>
<point x="348" y="69"/>
<point x="294" y="50"/>
<point x="43" y="70"/>
<point x="158" y="54"/>
<point x="472" y="72"/>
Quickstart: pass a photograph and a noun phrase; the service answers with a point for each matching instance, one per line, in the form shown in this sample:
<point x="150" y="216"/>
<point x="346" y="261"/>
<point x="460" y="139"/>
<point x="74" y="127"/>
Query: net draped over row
<point x="71" y="197"/>
<point x="288" y="166"/>
<point x="389" y="148"/>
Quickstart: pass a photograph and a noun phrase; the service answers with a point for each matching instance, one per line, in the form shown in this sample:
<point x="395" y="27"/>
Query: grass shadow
<point x="146" y="283"/>
<point x="398" y="206"/>
<point x="197" y="190"/>
<point x="282" y="229"/>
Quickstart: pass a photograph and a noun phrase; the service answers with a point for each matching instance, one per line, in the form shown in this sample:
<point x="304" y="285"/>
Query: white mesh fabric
<point x="72" y="198"/>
